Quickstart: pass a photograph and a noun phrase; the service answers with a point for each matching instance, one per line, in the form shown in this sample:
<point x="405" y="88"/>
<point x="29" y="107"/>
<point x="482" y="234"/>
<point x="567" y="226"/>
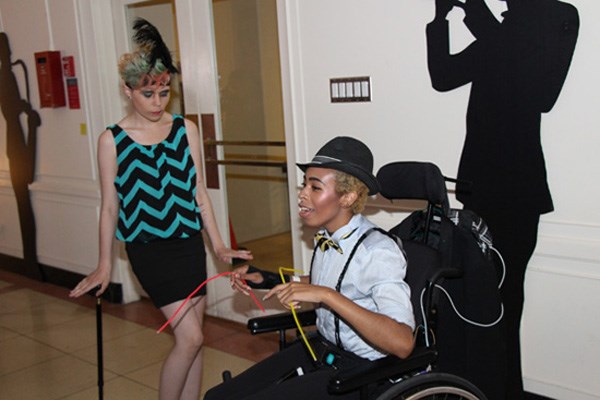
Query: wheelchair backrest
<point x="413" y="180"/>
<point x="434" y="244"/>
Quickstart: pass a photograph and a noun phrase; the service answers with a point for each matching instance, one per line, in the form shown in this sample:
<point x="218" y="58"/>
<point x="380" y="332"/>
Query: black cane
<point x="99" y="348"/>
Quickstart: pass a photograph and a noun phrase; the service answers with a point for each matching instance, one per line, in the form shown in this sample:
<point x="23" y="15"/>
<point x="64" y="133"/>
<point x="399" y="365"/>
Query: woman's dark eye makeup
<point x="148" y="93"/>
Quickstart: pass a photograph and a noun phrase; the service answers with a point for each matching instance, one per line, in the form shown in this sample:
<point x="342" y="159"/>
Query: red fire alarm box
<point x="48" y="66"/>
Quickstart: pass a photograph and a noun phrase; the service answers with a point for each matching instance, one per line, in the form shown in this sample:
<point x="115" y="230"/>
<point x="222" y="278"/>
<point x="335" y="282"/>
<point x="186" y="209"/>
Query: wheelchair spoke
<point x="433" y="386"/>
<point x="442" y="393"/>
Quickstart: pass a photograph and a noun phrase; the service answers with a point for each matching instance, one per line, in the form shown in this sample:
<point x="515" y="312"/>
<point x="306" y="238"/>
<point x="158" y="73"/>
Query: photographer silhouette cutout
<point x="21" y="151"/>
<point x="516" y="69"/>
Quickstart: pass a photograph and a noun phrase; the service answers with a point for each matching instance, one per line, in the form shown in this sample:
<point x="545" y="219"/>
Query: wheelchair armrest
<point x="279" y="322"/>
<point x="388" y="367"/>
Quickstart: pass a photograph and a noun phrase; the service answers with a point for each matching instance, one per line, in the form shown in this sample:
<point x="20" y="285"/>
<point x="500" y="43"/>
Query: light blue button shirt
<point x="374" y="280"/>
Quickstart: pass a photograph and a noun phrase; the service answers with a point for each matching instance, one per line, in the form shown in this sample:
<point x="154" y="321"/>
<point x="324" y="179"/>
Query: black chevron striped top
<point x="156" y="186"/>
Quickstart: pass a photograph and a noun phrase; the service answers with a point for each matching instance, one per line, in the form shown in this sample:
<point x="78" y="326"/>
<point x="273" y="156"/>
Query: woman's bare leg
<point x="193" y="383"/>
<point x="185" y="355"/>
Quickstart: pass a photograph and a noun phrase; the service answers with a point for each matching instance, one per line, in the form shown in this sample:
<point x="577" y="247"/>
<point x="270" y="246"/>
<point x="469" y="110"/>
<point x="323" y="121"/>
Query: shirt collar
<point x="345" y="232"/>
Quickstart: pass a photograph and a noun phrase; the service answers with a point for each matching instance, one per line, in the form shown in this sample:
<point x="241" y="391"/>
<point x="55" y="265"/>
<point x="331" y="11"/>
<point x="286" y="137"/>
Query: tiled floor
<point x="48" y="345"/>
<point x="48" y="341"/>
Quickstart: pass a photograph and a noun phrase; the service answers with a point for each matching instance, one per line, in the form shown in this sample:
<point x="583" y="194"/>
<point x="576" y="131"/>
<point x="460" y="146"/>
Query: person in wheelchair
<point x="356" y="283"/>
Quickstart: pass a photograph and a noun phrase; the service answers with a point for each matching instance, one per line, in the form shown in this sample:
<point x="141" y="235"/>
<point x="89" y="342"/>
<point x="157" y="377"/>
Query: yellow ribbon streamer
<point x="308" y="346"/>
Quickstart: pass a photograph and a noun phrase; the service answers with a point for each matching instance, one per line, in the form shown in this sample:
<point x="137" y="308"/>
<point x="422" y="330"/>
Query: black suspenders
<point x="338" y="286"/>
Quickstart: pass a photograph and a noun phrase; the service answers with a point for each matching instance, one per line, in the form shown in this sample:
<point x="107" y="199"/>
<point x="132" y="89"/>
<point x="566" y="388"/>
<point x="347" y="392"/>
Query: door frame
<point x="201" y="97"/>
<point x="295" y="124"/>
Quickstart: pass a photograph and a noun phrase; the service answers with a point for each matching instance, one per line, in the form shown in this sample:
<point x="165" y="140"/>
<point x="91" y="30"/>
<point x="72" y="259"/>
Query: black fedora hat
<point x="348" y="155"/>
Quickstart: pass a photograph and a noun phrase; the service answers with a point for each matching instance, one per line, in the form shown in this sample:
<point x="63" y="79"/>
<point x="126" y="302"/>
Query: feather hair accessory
<point x="148" y="38"/>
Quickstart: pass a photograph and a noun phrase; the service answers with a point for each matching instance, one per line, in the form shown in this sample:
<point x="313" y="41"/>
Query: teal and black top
<point x="156" y="185"/>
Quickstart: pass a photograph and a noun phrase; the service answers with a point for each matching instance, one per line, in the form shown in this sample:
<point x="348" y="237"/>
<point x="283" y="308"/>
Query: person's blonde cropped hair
<point x="346" y="183"/>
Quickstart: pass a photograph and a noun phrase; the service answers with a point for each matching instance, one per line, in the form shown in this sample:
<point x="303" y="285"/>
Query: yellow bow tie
<point x="324" y="243"/>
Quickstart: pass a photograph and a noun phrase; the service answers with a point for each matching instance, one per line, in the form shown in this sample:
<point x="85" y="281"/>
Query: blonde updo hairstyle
<point x="151" y="63"/>
<point x="136" y="71"/>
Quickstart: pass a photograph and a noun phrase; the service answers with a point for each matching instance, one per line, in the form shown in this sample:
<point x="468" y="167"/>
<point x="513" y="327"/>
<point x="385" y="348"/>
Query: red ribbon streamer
<point x="196" y="291"/>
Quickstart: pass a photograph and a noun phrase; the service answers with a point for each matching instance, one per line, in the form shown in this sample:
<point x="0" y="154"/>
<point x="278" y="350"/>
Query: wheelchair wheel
<point x="433" y="386"/>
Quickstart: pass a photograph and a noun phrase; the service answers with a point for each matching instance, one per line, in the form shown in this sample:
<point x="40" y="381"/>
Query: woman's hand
<point x="100" y="277"/>
<point x="240" y="276"/>
<point x="226" y="254"/>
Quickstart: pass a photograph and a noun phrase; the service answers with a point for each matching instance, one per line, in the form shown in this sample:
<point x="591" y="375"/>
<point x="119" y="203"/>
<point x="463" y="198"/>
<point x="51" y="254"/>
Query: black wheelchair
<point x="428" y="240"/>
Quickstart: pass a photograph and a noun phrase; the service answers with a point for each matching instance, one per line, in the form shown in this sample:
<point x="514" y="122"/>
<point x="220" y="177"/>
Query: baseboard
<point x="552" y="391"/>
<point x="534" y="396"/>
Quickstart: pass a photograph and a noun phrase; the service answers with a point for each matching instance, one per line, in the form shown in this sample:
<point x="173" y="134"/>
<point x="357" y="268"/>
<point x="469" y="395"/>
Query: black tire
<point x="433" y="386"/>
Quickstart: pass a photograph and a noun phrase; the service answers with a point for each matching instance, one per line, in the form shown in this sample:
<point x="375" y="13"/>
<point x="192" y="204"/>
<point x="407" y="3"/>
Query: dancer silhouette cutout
<point x="21" y="151"/>
<point x="516" y="69"/>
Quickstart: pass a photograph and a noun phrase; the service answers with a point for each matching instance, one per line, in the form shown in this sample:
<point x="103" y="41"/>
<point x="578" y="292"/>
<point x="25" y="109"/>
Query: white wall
<point x="408" y="120"/>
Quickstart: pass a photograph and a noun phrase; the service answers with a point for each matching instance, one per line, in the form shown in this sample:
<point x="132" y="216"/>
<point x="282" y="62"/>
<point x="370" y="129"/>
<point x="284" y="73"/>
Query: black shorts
<point x="169" y="270"/>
